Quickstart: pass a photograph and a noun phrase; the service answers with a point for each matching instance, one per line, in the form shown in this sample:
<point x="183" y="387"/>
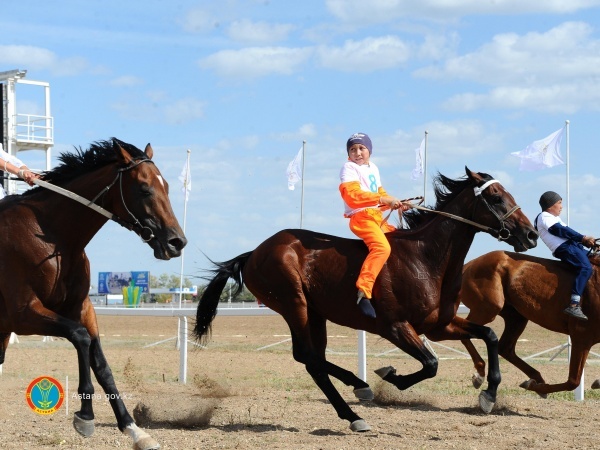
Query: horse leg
<point x="483" y="315"/>
<point x="579" y="355"/>
<point x="317" y="368"/>
<point x="318" y="334"/>
<point x="37" y="319"/>
<point x="514" y="325"/>
<point x="478" y="363"/>
<point x="101" y="369"/>
<point x="4" y="340"/>
<point x="461" y="329"/>
<point x="407" y="340"/>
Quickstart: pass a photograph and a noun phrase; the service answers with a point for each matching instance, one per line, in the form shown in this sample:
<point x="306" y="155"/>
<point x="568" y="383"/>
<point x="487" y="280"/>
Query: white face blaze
<point x="160" y="179"/>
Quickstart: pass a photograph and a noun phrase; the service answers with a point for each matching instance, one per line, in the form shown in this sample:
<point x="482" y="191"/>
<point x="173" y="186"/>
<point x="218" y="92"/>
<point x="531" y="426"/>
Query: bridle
<point x="502" y="234"/>
<point x="145" y="233"/>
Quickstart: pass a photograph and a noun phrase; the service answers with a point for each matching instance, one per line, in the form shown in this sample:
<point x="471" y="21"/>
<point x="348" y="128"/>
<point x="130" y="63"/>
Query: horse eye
<point x="496" y="199"/>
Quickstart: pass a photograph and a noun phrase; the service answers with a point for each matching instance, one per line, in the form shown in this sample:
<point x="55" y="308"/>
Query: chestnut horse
<point x="45" y="273"/>
<point x="310" y="278"/>
<point x="521" y="288"/>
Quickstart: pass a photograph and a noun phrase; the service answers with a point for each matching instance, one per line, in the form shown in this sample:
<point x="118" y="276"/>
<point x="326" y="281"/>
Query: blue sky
<point x="243" y="83"/>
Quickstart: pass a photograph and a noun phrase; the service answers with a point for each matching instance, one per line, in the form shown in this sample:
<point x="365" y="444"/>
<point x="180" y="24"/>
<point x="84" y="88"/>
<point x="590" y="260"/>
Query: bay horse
<point x="523" y="288"/>
<point x="309" y="278"/>
<point x="45" y="273"/>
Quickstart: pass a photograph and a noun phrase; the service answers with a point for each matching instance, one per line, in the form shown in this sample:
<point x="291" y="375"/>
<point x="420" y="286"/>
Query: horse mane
<point x="445" y="189"/>
<point x="81" y="162"/>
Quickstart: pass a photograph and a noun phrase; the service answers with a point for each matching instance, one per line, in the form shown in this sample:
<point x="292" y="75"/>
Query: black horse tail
<point x="207" y="305"/>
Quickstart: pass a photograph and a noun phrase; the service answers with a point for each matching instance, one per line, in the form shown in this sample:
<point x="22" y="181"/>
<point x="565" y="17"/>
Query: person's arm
<point x="566" y="232"/>
<point x="355" y="197"/>
<point x="13" y="165"/>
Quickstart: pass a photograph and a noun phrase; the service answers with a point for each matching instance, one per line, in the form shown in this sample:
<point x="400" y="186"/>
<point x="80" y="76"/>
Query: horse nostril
<point x="178" y="243"/>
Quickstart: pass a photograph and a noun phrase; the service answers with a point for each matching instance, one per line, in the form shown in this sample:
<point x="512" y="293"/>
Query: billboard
<point x="131" y="285"/>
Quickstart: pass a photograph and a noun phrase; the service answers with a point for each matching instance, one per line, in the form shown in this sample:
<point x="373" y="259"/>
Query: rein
<point x="503" y="233"/>
<point x="143" y="232"/>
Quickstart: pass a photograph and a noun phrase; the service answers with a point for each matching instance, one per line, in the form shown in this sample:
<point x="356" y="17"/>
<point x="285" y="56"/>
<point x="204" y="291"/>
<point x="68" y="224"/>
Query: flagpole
<point x="302" y="188"/>
<point x="425" y="168"/>
<point x="578" y="392"/>
<point x="568" y="196"/>
<point x="185" y="202"/>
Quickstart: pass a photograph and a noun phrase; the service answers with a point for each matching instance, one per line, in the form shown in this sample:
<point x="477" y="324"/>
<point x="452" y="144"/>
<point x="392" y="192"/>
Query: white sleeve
<point x="9" y="158"/>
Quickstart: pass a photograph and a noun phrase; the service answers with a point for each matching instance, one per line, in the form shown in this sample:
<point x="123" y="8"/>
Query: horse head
<point x="144" y="201"/>
<point x="496" y="209"/>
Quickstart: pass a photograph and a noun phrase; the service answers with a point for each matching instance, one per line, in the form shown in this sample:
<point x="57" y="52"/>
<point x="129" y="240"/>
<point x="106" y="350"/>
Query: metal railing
<point x="34" y="129"/>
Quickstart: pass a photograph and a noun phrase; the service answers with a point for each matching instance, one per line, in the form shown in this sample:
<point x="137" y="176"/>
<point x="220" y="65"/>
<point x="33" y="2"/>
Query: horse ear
<point x="122" y="154"/>
<point x="148" y="151"/>
<point x="473" y="175"/>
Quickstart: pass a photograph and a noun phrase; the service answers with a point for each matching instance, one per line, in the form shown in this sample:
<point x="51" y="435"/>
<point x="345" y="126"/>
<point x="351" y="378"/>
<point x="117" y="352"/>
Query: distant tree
<point x="166" y="281"/>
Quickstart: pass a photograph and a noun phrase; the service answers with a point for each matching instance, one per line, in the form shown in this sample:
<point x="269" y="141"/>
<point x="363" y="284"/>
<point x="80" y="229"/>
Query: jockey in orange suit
<point x="364" y="200"/>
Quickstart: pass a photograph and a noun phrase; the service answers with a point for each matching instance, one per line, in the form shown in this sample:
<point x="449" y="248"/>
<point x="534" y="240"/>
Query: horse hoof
<point x="147" y="443"/>
<point x="477" y="380"/>
<point x="364" y="394"/>
<point x="82" y="426"/>
<point x="528" y="385"/>
<point x="596" y="384"/>
<point x="486" y="403"/>
<point x="385" y="371"/>
<point x="360" y="425"/>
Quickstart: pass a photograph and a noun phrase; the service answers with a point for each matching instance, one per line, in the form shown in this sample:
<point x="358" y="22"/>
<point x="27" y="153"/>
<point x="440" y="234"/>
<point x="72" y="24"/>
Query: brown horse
<point x="521" y="288"/>
<point x="309" y="278"/>
<point x="45" y="273"/>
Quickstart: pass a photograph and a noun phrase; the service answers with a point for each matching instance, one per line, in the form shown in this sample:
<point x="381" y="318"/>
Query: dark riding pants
<point x="576" y="256"/>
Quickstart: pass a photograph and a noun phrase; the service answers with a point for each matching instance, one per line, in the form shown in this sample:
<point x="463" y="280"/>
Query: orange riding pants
<point x="367" y="225"/>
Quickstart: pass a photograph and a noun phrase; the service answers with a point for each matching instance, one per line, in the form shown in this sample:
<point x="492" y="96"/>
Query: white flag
<point x="186" y="179"/>
<point x="418" y="170"/>
<point x="294" y="170"/>
<point x="542" y="153"/>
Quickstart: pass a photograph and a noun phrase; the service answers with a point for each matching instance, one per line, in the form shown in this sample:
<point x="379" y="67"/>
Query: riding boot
<point x="574" y="310"/>
<point x="364" y="304"/>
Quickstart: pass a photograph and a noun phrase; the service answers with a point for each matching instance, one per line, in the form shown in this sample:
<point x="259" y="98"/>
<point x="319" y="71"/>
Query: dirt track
<point x="253" y="398"/>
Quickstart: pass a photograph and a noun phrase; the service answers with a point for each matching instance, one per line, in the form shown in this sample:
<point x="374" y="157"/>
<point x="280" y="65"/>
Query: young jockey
<point x="565" y="244"/>
<point x="364" y="200"/>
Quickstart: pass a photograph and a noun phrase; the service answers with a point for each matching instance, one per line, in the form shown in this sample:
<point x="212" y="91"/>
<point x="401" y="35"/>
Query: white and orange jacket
<point x="361" y="187"/>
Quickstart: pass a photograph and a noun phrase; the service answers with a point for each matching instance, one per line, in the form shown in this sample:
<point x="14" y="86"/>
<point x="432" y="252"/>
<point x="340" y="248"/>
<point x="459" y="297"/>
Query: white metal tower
<point x="21" y="131"/>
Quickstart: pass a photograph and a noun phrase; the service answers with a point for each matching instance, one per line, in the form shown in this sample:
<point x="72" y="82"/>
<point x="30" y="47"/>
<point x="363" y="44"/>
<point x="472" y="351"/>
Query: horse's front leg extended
<point x="406" y="339"/>
<point x="461" y="329"/>
<point x="141" y="439"/>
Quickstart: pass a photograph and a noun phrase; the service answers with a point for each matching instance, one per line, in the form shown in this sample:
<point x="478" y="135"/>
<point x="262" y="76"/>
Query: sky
<point x="242" y="84"/>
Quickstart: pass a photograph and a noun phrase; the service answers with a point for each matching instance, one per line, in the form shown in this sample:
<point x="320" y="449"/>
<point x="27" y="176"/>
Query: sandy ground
<point x="245" y="391"/>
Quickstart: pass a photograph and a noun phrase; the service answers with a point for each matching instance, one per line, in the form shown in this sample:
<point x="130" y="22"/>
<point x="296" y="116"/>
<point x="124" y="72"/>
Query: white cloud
<point x="184" y="110"/>
<point x="37" y="58"/>
<point x="553" y="71"/>
<point x="251" y="32"/>
<point x="155" y="108"/>
<point x="199" y="21"/>
<point x="559" y="98"/>
<point x="562" y="53"/>
<point x="380" y="11"/>
<point x="255" y="62"/>
<point x="368" y="55"/>
<point x="126" y="81"/>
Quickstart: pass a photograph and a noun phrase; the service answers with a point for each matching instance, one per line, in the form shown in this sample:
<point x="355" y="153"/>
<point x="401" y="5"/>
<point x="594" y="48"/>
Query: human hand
<point x="589" y="241"/>
<point x="393" y="203"/>
<point x="28" y="176"/>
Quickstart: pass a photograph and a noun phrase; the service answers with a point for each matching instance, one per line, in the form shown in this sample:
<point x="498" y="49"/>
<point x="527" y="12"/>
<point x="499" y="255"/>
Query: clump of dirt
<point x="185" y="413"/>
<point x="209" y="388"/>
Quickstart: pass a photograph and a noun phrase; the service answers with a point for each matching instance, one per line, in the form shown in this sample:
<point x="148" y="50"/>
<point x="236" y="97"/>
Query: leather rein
<point x="503" y="233"/>
<point x="145" y="233"/>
